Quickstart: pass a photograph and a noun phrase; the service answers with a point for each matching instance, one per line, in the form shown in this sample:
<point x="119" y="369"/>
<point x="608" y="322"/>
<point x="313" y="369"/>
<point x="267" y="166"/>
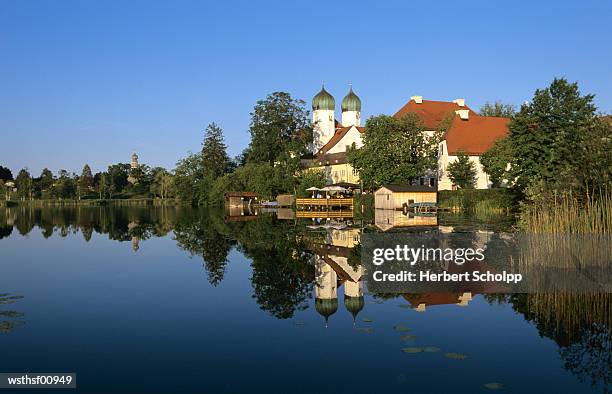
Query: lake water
<point x="168" y="300"/>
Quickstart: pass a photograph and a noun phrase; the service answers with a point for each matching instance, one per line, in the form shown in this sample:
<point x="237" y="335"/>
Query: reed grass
<point x="570" y="215"/>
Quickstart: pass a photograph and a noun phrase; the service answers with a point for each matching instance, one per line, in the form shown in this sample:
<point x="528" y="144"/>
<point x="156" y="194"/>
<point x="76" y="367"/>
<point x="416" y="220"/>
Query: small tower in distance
<point x="133" y="166"/>
<point x="134" y="163"/>
<point x="351" y="109"/>
<point x="323" y="119"/>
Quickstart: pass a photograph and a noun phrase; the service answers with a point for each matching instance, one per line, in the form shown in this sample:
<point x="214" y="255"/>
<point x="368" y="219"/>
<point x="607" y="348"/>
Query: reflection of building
<point x="135" y="239"/>
<point x="333" y="269"/>
<point x="386" y="219"/>
<point x="420" y="302"/>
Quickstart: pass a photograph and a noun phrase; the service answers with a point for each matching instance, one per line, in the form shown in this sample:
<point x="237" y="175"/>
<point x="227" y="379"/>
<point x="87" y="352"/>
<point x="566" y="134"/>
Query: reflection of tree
<point x="591" y="357"/>
<point x="11" y="316"/>
<point x="203" y="237"/>
<point x="579" y="323"/>
<point x="282" y="274"/>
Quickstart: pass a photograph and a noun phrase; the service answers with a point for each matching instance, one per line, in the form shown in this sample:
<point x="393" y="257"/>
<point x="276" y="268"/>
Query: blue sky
<point x="90" y="82"/>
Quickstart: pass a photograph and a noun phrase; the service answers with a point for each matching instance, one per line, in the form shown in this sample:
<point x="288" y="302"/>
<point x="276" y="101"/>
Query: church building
<point x="467" y="132"/>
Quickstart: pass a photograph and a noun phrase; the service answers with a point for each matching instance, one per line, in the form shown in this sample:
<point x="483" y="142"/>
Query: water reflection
<point x="296" y="260"/>
<point x="9" y="318"/>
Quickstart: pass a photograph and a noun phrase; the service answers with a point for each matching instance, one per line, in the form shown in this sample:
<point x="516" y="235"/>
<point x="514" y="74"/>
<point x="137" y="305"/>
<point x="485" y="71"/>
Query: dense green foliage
<point x="495" y="161"/>
<point x="394" y="151"/>
<point x="549" y="135"/>
<point x="497" y="109"/>
<point x="280" y="126"/>
<point x="5" y="174"/>
<point x="462" y="172"/>
<point x="110" y="184"/>
<point x="280" y="133"/>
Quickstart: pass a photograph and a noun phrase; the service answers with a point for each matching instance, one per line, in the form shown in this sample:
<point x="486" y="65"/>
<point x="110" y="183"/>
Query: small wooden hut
<point x="240" y="199"/>
<point x="399" y="196"/>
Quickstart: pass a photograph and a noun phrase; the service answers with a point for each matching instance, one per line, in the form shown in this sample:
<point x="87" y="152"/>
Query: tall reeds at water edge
<point x="566" y="214"/>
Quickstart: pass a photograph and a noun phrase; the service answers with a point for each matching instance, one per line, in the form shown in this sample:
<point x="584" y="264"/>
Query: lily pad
<point x="365" y="330"/>
<point x="412" y="350"/>
<point x="431" y="349"/>
<point x="494" y="386"/>
<point x="367" y="320"/>
<point x="455" y="356"/>
<point x="407" y="337"/>
<point x="400" y="327"/>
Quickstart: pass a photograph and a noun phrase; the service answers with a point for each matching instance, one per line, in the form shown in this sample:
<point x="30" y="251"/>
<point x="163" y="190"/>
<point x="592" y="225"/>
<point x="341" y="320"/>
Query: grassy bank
<point x="478" y="201"/>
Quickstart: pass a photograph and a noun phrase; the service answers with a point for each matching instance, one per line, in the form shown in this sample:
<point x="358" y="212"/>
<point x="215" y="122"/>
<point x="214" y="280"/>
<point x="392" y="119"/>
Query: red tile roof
<point x="430" y="112"/>
<point x="475" y="135"/>
<point x="338" y="135"/>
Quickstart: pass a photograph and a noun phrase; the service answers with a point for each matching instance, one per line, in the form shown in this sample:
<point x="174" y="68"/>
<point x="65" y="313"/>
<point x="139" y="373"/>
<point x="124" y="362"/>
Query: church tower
<point x="351" y="109"/>
<point x="324" y="127"/>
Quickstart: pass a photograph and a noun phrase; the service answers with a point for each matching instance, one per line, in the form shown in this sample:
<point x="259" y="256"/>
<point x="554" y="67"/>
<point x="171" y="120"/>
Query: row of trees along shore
<point x="115" y="182"/>
<point x="558" y="147"/>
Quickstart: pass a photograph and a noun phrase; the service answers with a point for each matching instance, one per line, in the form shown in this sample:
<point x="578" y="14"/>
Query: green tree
<point x="45" y="182"/>
<point x="3" y="192"/>
<point x="495" y="161"/>
<point x="595" y="169"/>
<point x="497" y="109"/>
<point x="162" y="184"/>
<point x="105" y="186"/>
<point x="215" y="161"/>
<point x="85" y="181"/>
<point x="65" y="186"/>
<point x="394" y="151"/>
<point x="279" y="125"/>
<point x="309" y="178"/>
<point x="5" y="174"/>
<point x="549" y="133"/>
<point x="189" y="178"/>
<point x="118" y="174"/>
<point x="24" y="184"/>
<point x="462" y="172"/>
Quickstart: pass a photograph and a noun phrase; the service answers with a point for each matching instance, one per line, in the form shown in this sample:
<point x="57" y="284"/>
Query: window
<point x="422" y="181"/>
<point x="387" y="197"/>
<point x="432" y="182"/>
<point x="355" y="172"/>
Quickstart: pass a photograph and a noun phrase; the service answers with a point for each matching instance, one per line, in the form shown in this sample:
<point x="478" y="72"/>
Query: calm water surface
<point x="167" y="300"/>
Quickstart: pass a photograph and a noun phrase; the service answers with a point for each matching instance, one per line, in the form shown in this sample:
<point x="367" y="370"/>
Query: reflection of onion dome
<point x="354" y="305"/>
<point x="326" y="307"/>
<point x="323" y="100"/>
<point x="351" y="102"/>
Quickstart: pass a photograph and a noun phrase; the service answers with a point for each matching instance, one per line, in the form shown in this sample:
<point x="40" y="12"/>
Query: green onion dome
<point x="351" y="102"/>
<point x="323" y="100"/>
<point x="326" y="307"/>
<point x="354" y="305"/>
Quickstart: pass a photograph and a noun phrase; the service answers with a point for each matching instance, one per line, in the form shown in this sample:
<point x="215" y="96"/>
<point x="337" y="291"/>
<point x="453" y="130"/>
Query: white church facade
<point x="468" y="132"/>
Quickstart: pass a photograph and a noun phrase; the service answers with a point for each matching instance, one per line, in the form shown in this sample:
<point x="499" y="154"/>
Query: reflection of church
<point x="333" y="270"/>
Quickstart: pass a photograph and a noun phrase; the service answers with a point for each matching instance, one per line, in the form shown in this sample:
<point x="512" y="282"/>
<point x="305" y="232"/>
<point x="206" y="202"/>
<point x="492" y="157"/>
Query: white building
<point x="468" y="132"/>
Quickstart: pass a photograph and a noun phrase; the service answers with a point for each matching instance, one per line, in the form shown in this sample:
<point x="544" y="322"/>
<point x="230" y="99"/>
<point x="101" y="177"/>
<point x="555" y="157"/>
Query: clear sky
<point x="92" y="81"/>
